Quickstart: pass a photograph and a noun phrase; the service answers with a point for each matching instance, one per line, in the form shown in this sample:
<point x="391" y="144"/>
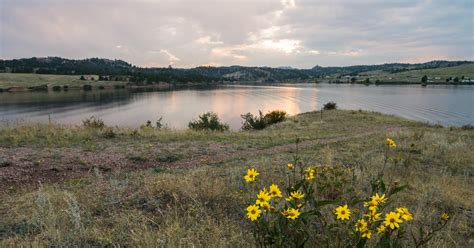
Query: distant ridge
<point x="101" y="66"/>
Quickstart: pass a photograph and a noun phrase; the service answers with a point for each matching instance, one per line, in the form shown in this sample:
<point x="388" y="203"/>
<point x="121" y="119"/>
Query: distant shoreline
<point x="32" y="82"/>
<point x="169" y="86"/>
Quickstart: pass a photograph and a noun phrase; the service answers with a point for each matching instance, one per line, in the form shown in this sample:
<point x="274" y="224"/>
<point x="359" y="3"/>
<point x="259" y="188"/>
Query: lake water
<point x="447" y="105"/>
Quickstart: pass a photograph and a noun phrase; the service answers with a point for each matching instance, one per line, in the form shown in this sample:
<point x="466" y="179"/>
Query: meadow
<point x="25" y="80"/>
<point x="84" y="186"/>
<point x="437" y="75"/>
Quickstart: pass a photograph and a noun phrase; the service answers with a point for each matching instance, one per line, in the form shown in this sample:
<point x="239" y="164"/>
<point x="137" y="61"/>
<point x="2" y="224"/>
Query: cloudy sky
<point x="188" y="33"/>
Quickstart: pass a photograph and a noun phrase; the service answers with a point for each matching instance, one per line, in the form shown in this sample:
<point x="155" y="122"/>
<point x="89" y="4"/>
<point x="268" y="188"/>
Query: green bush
<point x="275" y="116"/>
<point x="208" y="121"/>
<point x="330" y="105"/>
<point x="253" y="122"/>
<point x="261" y="121"/>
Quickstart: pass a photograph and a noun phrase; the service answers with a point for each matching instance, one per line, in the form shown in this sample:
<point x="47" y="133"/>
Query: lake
<point x="446" y="105"/>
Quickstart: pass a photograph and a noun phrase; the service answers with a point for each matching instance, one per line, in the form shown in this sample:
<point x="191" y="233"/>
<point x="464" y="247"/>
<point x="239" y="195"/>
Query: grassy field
<point x="435" y="76"/>
<point x="416" y="75"/>
<point x="26" y="80"/>
<point x="149" y="187"/>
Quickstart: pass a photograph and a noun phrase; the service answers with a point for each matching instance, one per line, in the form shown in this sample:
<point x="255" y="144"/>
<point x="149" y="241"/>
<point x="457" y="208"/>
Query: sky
<point x="189" y="33"/>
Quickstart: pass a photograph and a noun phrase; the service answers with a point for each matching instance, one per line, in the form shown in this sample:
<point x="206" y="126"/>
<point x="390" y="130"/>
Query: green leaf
<point x="397" y="189"/>
<point x="382" y="185"/>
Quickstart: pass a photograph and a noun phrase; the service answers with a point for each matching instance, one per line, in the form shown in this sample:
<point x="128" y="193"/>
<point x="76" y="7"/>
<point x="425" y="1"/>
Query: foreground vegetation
<point x="158" y="187"/>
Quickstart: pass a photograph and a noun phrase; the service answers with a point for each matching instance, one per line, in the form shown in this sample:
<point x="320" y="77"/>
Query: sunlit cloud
<point x="207" y="40"/>
<point x="171" y="57"/>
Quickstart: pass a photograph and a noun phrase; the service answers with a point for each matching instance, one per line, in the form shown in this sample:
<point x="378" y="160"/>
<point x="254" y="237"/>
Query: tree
<point x="353" y="79"/>
<point x="82" y="78"/>
<point x="456" y="79"/>
<point x="424" y="79"/>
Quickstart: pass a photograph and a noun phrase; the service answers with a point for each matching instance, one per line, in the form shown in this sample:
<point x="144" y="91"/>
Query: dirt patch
<point x="27" y="167"/>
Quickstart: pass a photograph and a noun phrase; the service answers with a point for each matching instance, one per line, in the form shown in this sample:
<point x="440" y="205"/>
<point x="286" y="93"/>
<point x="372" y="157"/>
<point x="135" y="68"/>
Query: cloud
<point x="207" y="40"/>
<point x="300" y="33"/>
<point x="171" y="57"/>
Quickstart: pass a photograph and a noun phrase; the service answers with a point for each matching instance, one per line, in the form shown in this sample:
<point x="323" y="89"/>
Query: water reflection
<point x="449" y="105"/>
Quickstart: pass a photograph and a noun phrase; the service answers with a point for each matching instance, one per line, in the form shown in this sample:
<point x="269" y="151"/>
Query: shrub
<point x="301" y="209"/>
<point x="330" y="105"/>
<point x="275" y="116"/>
<point x="93" y="122"/>
<point x="261" y="121"/>
<point x="208" y="121"/>
<point x="253" y="122"/>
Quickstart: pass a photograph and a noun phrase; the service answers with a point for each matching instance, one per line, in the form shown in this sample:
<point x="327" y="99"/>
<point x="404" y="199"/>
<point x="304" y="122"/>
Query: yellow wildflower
<point x="373" y="216"/>
<point x="391" y="143"/>
<point x="297" y="195"/>
<point x="274" y="191"/>
<point x="309" y="174"/>
<point x="445" y="216"/>
<point x="378" y="199"/>
<point x="291" y="166"/>
<point x="392" y="220"/>
<point x="380" y="229"/>
<point x="404" y="213"/>
<point x="253" y="212"/>
<point x="361" y="225"/>
<point x="342" y="212"/>
<point x="366" y="233"/>
<point x="371" y="205"/>
<point x="291" y="213"/>
<point x="289" y="199"/>
<point x="265" y="206"/>
<point x="251" y="175"/>
<point x="263" y="197"/>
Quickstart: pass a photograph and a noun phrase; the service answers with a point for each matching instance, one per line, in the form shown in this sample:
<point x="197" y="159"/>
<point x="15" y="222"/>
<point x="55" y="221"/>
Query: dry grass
<point x="202" y="206"/>
<point x="8" y="80"/>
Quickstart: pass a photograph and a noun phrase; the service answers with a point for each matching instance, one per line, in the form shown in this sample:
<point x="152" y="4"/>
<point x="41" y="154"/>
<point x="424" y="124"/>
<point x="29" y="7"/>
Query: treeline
<point x="107" y="68"/>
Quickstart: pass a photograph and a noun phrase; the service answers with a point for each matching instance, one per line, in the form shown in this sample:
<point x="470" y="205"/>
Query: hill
<point x="118" y="70"/>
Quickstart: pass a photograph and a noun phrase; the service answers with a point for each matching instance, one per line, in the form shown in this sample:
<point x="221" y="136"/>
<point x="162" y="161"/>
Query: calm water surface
<point x="447" y="105"/>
